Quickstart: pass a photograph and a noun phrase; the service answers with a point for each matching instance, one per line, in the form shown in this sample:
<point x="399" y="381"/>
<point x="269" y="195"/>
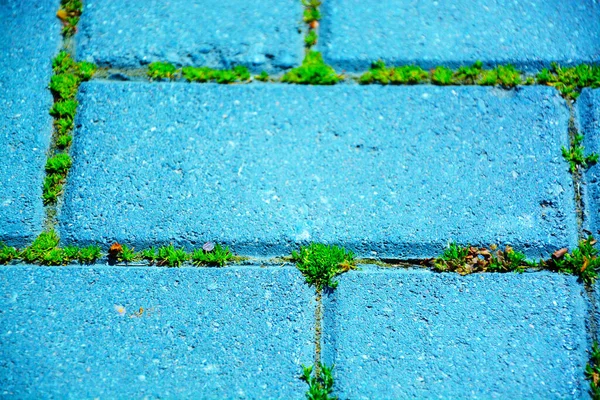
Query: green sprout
<point x="217" y="256"/>
<point x="171" y="257"/>
<point x="126" y="254"/>
<point x="313" y="71"/>
<point x="150" y="255"/>
<point x="320" y="384"/>
<point x="320" y="263"/>
<point x="576" y="155"/>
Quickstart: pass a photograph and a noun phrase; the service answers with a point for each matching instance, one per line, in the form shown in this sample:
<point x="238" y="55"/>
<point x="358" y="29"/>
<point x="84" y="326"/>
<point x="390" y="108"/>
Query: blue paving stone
<point x="261" y="35"/>
<point x="239" y="332"/>
<point x="529" y="34"/>
<point x="419" y="334"/>
<point x="588" y="110"/>
<point x="398" y="171"/>
<point x="30" y="38"/>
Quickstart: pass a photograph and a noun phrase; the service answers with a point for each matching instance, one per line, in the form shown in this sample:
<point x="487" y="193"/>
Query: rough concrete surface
<point x="529" y="34"/>
<point x="238" y="332"/>
<point x="392" y="171"/>
<point x="30" y="38"/>
<point x="417" y="334"/>
<point x="588" y="112"/>
<point x="261" y="35"/>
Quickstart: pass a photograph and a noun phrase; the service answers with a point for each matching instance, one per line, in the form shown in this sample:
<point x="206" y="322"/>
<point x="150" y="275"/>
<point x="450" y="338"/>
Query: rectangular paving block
<point x="418" y="334"/>
<point x="588" y="113"/>
<point x="126" y="332"/>
<point x="260" y="35"/>
<point x="398" y="171"/>
<point x="530" y="34"/>
<point x="30" y="38"/>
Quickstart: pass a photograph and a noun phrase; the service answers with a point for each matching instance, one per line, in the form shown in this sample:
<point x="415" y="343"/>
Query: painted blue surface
<point x="261" y="35"/>
<point x="588" y="113"/>
<point x="399" y="171"/>
<point x="238" y="332"/>
<point x="30" y="38"/>
<point x="529" y="34"/>
<point x="419" y="334"/>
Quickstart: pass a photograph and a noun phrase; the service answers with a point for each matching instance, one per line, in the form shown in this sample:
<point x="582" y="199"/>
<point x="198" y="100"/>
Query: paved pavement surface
<point x="205" y="332"/>
<point x="264" y="167"/>
<point x="392" y="171"/>
<point x="528" y="34"/>
<point x="25" y="126"/>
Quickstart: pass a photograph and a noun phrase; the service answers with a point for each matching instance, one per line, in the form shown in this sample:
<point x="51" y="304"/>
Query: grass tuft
<point x="576" y="155"/>
<point x="217" y="256"/>
<point x="41" y="246"/>
<point x="313" y="71"/>
<point x="320" y="263"/>
<point x="7" y="253"/>
<point x="320" y="383"/>
<point x="569" y="81"/>
<point x="171" y="257"/>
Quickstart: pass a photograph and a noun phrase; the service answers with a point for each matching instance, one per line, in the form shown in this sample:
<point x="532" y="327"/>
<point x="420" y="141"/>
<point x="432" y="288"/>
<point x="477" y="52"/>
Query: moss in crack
<point x="576" y="157"/>
<point x="311" y="11"/>
<point x="161" y="70"/>
<point x="7" y="253"/>
<point x="582" y="261"/>
<point x="504" y="75"/>
<point x="468" y="259"/>
<point x="569" y="81"/>
<point x="204" y="74"/>
<point x="320" y="382"/>
<point x="320" y="263"/>
<point x="592" y="372"/>
<point x="310" y="39"/>
<point x="313" y="71"/>
<point x="442" y="76"/>
<point x="403" y="75"/>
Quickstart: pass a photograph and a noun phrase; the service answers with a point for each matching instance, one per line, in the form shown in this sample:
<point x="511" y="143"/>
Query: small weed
<point x="503" y="75"/>
<point x="64" y="85"/>
<point x="576" y="157"/>
<point x="320" y="263"/>
<point x="126" y="254"/>
<point x="86" y="70"/>
<point x="263" y="77"/>
<point x="69" y="14"/>
<point x="89" y="254"/>
<point x="205" y="74"/>
<point x="63" y="141"/>
<point x="217" y="256"/>
<point x="7" y="253"/>
<point x="63" y="125"/>
<point x="583" y="261"/>
<point x="592" y="372"/>
<point x="468" y="259"/>
<point x="54" y="256"/>
<point x="161" y="70"/>
<point x="171" y="257"/>
<point x="320" y="384"/>
<point x="150" y="255"/>
<point x="42" y="245"/>
<point x="63" y="63"/>
<point x="313" y="71"/>
<point x="311" y="39"/>
<point x="442" y="76"/>
<point x="71" y="252"/>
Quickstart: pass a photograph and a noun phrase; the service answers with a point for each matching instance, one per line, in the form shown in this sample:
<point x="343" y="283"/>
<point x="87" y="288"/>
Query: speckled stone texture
<point x="261" y="35"/>
<point x="529" y="34"/>
<point x="392" y="171"/>
<point x="238" y="332"/>
<point x="30" y="38"/>
<point x="399" y="334"/>
<point x="588" y="113"/>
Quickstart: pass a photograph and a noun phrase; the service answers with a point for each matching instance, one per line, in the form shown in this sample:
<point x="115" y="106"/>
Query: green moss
<point x="310" y="39"/>
<point x="403" y="75"/>
<point x="468" y="259"/>
<point x="127" y="254"/>
<point x="320" y="263"/>
<point x="311" y="10"/>
<point x="64" y="109"/>
<point x="217" y="256"/>
<point x="205" y="74"/>
<point x="313" y="71"/>
<point x="58" y="164"/>
<point x="7" y="253"/>
<point x="263" y="77"/>
<point x="89" y="254"/>
<point x="171" y="257"/>
<point x="576" y="157"/>
<point x="504" y="75"/>
<point x="41" y="246"/>
<point x="320" y="383"/>
<point x="69" y="13"/>
<point x="442" y="76"/>
<point x="469" y="75"/>
<point x="63" y="141"/>
<point x="569" y="81"/>
<point x="453" y="258"/>
<point x="161" y="70"/>
<point x="64" y="85"/>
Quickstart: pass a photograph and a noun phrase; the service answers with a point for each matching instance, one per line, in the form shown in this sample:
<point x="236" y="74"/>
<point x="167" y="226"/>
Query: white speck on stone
<point x="142" y="378"/>
<point x="425" y="95"/>
<point x="303" y="236"/>
<point x="120" y="310"/>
